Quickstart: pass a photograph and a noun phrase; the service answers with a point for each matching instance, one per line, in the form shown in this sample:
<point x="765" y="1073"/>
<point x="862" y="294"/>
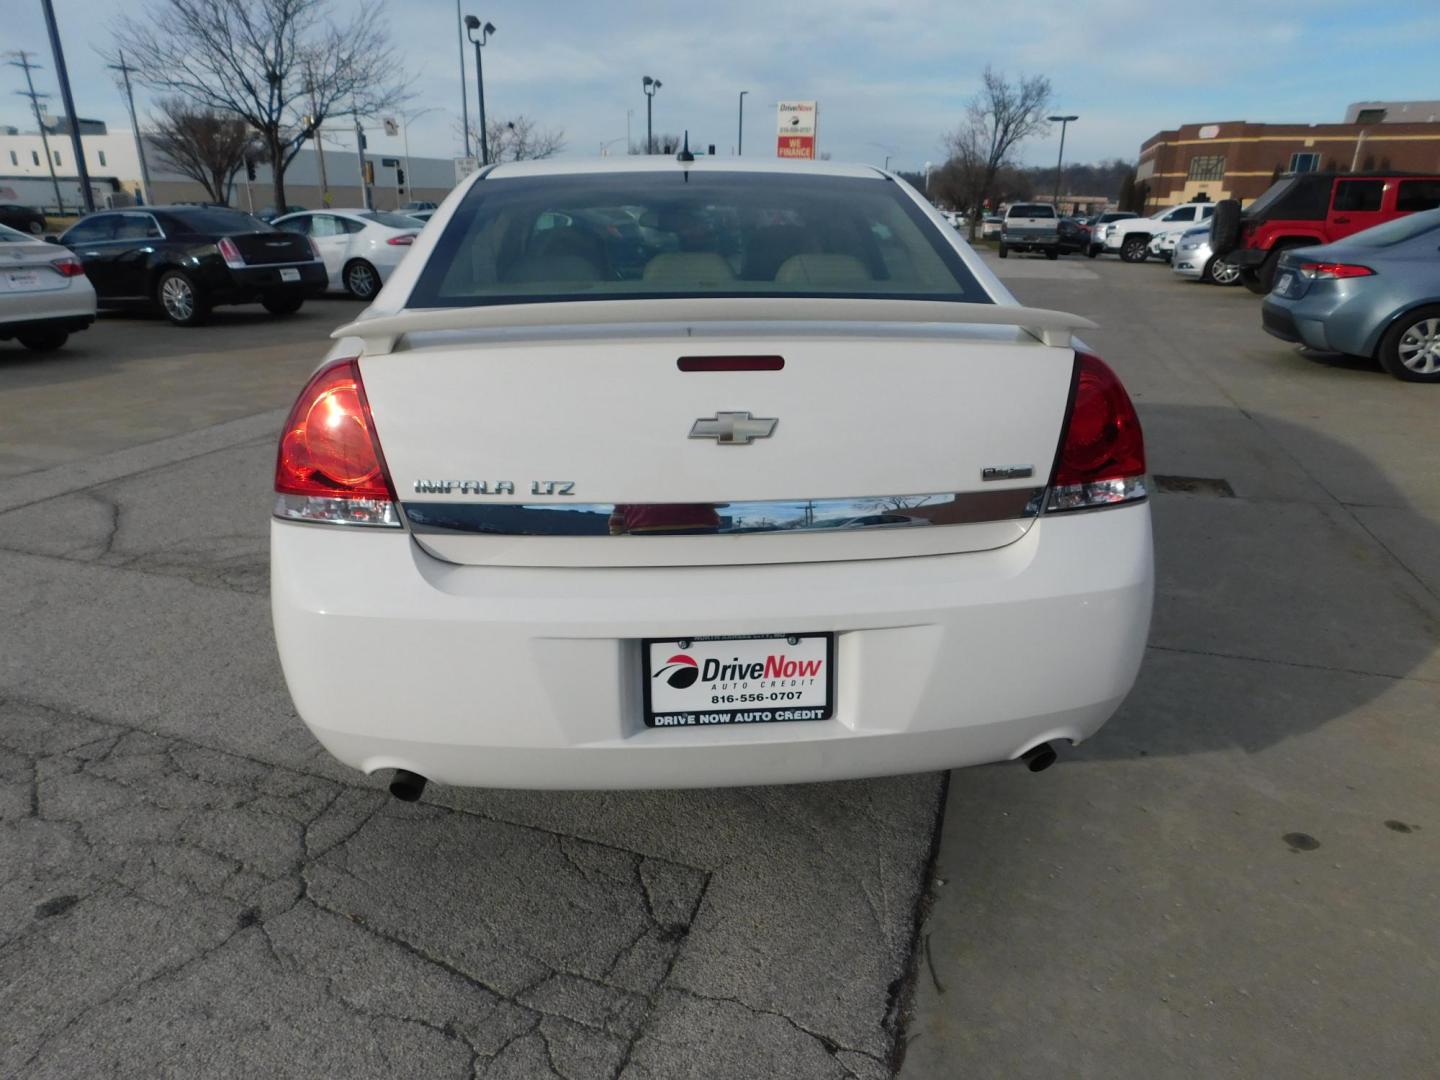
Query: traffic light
<point x="364" y="142"/>
<point x="400" y="177"/>
<point x="369" y="172"/>
<point x="249" y="168"/>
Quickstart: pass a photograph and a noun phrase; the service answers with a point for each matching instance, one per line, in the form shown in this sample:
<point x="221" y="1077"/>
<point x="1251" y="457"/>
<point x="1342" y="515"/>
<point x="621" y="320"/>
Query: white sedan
<point x="44" y="293"/>
<point x="361" y="248"/>
<point x="564" y="509"/>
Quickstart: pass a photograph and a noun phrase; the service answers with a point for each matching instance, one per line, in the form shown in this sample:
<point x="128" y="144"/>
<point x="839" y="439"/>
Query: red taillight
<point x="404" y="240"/>
<point x="1102" y="451"/>
<point x="330" y="467"/>
<point x="1328" y="270"/>
<point x="68" y="267"/>
<point x="230" y="253"/>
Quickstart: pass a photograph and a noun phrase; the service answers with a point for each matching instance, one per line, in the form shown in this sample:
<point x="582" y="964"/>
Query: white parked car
<point x="1130" y="238"/>
<point x="552" y="514"/>
<point x="361" y="248"/>
<point x="44" y="293"/>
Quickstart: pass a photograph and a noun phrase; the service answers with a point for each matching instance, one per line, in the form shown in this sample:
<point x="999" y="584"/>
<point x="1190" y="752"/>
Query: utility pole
<point x="125" y="70"/>
<point x="649" y="85"/>
<point x="24" y="64"/>
<point x="740" y="136"/>
<point x="58" y="54"/>
<point x="486" y="29"/>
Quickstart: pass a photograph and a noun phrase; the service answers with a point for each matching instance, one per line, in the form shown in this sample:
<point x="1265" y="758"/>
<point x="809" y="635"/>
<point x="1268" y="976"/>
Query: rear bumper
<point x="252" y="282"/>
<point x="70" y="324"/>
<point x="530" y="677"/>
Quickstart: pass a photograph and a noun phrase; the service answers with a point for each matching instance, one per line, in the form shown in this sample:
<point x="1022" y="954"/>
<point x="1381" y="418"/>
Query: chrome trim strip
<point x="727" y="518"/>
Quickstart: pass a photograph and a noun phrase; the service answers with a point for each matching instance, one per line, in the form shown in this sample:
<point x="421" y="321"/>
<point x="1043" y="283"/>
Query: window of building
<point x="1207" y="167"/>
<point x="14" y="158"/>
<point x="102" y="158"/>
<point x="1370" y="116"/>
<point x="1304" y="162"/>
<point x="1359" y="195"/>
<point x="35" y="157"/>
<point x="57" y="156"/>
<point x="1418" y="195"/>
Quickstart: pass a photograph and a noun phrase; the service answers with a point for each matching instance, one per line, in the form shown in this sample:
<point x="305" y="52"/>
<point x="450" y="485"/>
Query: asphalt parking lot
<point x="1236" y="878"/>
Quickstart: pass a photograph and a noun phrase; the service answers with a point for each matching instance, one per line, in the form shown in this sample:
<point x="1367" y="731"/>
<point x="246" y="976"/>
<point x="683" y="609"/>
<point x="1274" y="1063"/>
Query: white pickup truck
<point x="1130" y="239"/>
<point x="1031" y="227"/>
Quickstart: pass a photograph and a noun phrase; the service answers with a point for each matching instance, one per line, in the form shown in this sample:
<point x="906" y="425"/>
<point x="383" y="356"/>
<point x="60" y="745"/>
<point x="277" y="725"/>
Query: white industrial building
<point x="114" y="167"/>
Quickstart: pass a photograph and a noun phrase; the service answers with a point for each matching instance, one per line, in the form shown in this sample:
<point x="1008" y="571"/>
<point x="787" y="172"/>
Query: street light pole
<point x="464" y="93"/>
<point x="405" y="133"/>
<point x="649" y="85"/>
<point x="740" y="136"/>
<point x="1064" y="122"/>
<point x="125" y="70"/>
<point x="471" y="25"/>
<point x="64" y="79"/>
<point x="360" y="153"/>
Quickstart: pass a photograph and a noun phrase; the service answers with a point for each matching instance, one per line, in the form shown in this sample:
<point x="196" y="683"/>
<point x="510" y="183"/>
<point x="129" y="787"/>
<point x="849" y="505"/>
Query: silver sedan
<point x="1194" y="259"/>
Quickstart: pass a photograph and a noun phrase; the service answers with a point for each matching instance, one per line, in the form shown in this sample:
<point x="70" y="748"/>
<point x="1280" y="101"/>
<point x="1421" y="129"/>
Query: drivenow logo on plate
<point x="739" y="681"/>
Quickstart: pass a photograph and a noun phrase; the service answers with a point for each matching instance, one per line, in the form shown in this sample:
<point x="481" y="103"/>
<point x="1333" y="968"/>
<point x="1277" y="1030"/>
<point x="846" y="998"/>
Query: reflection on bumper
<point x="530" y="677"/>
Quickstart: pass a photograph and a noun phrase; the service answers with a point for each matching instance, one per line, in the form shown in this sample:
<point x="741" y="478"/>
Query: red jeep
<point x="1306" y="209"/>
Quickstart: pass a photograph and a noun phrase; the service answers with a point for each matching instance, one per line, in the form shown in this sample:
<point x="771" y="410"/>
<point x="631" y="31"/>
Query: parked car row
<point x="187" y="260"/>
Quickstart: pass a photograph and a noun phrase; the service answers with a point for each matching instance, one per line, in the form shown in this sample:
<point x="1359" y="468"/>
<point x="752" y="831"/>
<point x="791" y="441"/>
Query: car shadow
<point x="1278" y="609"/>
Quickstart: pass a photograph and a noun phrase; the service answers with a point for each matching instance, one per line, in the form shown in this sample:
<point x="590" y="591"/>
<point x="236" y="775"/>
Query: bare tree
<point x="1000" y="116"/>
<point x="664" y="144"/>
<point x="283" y="66"/>
<point x="206" y="145"/>
<point x="520" y="139"/>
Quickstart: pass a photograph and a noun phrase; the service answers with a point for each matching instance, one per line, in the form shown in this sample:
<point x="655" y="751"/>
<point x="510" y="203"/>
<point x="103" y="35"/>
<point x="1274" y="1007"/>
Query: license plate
<point x="290" y="274"/>
<point x="1283" y="282"/>
<point x="695" y="682"/>
<point x="22" y="279"/>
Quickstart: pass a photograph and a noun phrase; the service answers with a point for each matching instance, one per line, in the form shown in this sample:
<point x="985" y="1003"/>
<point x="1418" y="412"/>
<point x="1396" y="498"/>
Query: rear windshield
<point x="217" y="222"/>
<point x="1393" y="232"/>
<point x="1031" y="210"/>
<point x="394" y="221"/>
<point x="670" y="233"/>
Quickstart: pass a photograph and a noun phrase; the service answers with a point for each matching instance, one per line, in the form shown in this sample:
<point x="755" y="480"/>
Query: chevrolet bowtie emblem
<point x="733" y="428"/>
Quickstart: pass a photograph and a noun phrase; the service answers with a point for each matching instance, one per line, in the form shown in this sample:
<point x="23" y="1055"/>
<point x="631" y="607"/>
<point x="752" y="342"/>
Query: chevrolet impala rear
<point x="778" y="485"/>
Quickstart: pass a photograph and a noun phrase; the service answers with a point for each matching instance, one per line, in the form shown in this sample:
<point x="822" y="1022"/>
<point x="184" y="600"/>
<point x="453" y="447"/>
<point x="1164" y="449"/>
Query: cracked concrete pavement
<point x="193" y="888"/>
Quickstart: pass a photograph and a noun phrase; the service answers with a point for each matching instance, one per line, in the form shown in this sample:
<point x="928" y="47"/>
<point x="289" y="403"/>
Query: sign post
<point x="797" y="124"/>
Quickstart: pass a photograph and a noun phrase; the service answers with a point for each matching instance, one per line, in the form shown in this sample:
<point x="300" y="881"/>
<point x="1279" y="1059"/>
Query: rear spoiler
<point x="380" y="333"/>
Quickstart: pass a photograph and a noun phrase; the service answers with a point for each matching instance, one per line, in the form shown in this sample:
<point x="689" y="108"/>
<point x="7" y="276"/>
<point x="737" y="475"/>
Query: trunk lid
<point x="259" y="249"/>
<point x="881" y="433"/>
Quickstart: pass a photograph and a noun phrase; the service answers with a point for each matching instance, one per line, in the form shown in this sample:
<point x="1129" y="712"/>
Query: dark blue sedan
<point x="1376" y="293"/>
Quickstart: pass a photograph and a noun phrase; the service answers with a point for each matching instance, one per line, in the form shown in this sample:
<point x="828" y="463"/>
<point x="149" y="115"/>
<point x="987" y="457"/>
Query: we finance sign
<point x="797" y="125"/>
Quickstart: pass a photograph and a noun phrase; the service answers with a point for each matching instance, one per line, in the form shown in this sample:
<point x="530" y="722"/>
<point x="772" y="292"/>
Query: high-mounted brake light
<point x="230" y="253"/>
<point x="1327" y="271"/>
<point x="1102" y="450"/>
<point x="404" y="240"/>
<point x="68" y="267"/>
<point x="330" y="467"/>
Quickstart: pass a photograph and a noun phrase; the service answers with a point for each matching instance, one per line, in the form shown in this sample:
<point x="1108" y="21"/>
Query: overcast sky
<point x="889" y="78"/>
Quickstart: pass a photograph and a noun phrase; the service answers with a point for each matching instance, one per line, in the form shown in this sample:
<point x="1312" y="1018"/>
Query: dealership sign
<point x="796" y="129"/>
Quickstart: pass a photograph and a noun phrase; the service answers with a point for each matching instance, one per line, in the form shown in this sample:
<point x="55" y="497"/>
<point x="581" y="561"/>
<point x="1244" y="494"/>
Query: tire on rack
<point x="1219" y="272"/>
<point x="43" y="340"/>
<point x="1135" y="249"/>
<point x="1410" y="349"/>
<point x="283" y="303"/>
<point x="1225" y="227"/>
<point x="361" y="280"/>
<point x="181" y="299"/>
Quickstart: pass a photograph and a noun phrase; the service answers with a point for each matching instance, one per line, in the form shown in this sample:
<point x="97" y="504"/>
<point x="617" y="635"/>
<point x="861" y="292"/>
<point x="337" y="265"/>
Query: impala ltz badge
<point x="733" y="428"/>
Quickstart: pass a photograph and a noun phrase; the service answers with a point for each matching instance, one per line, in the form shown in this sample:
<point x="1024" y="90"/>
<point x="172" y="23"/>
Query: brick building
<point x="1236" y="159"/>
